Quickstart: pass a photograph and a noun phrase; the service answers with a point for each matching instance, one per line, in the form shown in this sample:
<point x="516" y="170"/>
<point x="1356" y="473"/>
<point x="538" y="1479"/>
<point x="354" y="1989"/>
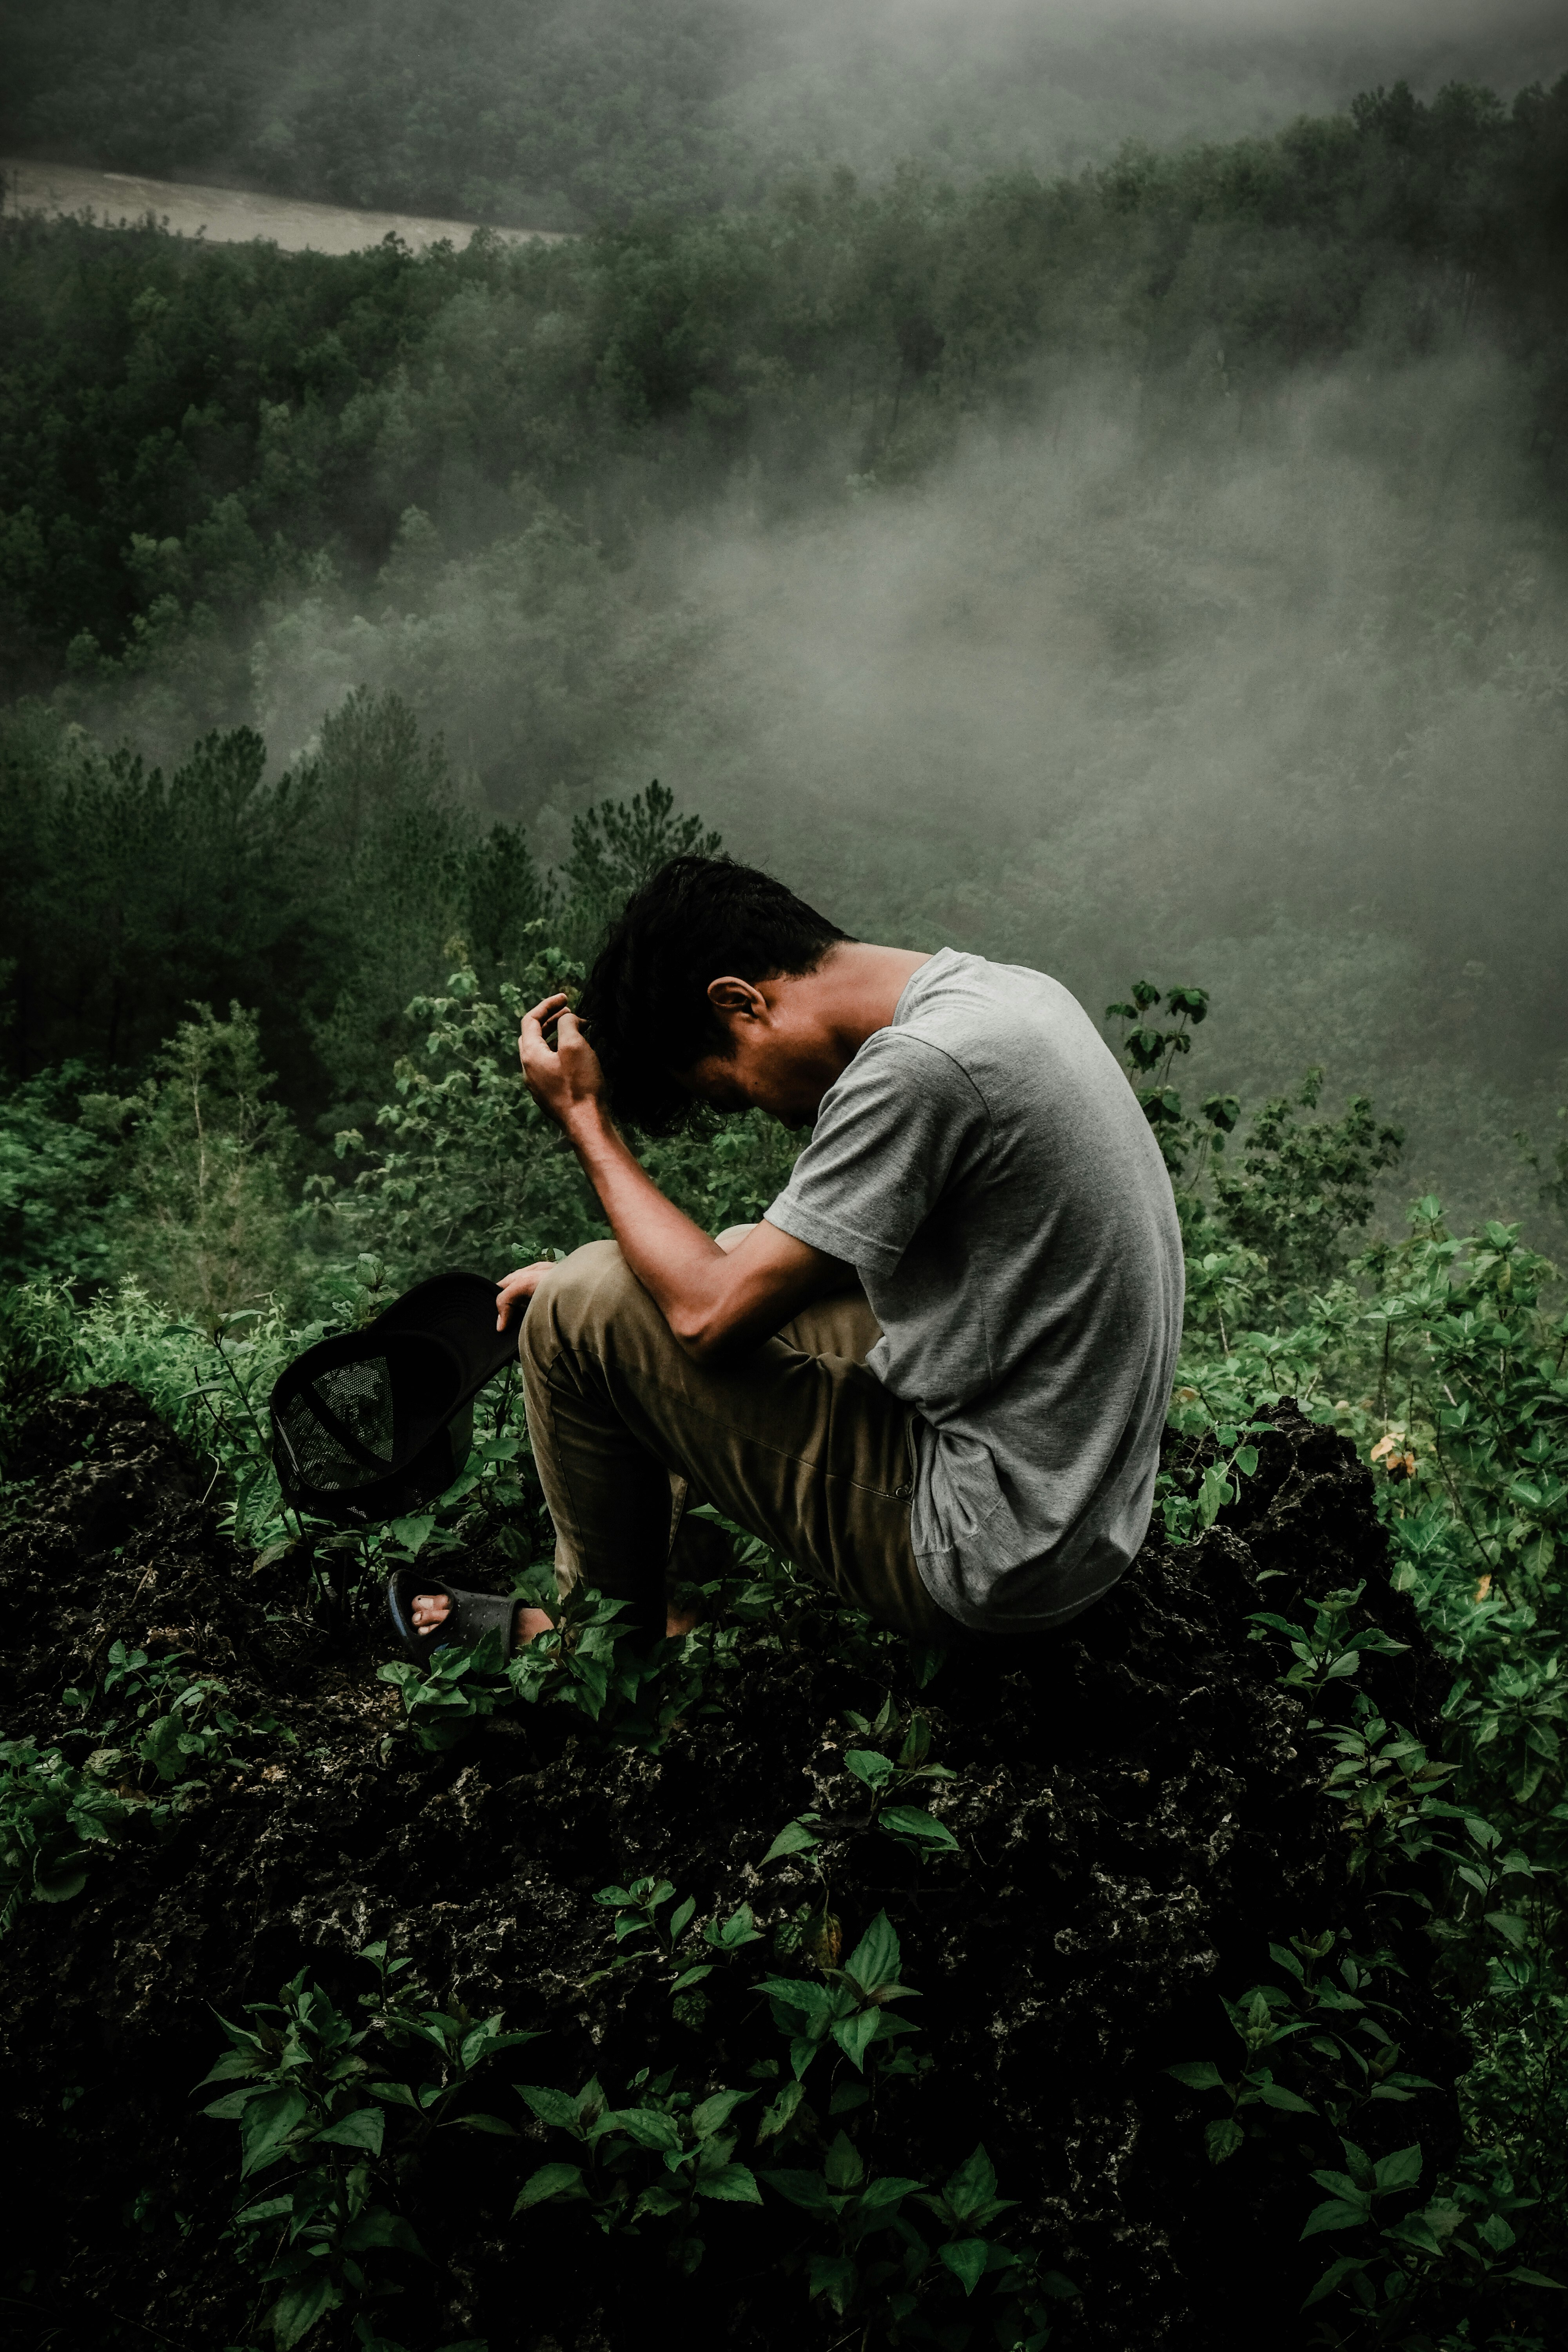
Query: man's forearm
<point x="682" y="1270"/>
<point x="716" y="1302"/>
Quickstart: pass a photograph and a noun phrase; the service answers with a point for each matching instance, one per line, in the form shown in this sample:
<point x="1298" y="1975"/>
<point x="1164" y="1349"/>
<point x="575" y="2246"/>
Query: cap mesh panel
<point x="360" y="1395"/>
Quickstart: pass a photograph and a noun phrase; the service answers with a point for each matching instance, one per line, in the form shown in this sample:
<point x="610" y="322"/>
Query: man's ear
<point x="737" y="1000"/>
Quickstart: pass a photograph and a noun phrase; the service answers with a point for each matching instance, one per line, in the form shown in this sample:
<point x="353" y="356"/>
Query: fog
<point x="1279" y="713"/>
<point x="1270" y="701"/>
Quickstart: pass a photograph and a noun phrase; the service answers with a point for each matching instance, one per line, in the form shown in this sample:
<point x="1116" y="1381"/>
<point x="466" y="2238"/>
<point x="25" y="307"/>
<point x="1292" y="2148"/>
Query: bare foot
<point x="431" y="1608"/>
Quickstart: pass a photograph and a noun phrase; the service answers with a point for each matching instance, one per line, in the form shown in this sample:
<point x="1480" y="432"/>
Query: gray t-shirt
<point x="985" y="1168"/>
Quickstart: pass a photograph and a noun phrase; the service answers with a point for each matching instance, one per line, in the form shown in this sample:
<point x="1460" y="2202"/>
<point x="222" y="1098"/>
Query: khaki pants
<point x="794" y="1441"/>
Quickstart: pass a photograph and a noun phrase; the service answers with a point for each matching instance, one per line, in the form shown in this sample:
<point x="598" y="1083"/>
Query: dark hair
<point x="646" y="1003"/>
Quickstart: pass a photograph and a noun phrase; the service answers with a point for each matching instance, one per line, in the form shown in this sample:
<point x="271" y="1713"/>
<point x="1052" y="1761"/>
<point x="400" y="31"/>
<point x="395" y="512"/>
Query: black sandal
<point x="469" y="1616"/>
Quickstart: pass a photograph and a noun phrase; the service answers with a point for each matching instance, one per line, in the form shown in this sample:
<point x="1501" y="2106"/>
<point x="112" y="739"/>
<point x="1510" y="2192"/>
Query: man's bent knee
<point x="579" y="1294"/>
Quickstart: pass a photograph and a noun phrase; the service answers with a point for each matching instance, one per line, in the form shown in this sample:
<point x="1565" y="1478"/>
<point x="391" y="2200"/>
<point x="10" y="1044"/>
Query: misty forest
<point x="1085" y="487"/>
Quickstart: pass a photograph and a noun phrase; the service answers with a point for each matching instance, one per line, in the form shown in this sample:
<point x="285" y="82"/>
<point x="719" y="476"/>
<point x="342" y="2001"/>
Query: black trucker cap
<point x="379" y="1422"/>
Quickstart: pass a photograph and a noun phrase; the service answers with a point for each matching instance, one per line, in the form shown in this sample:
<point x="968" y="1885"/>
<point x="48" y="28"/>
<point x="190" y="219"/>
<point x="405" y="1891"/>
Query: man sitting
<point x="935" y="1374"/>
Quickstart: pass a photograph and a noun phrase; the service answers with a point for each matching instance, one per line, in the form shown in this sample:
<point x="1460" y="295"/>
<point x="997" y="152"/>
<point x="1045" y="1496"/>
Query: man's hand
<point x="518" y="1289"/>
<point x="564" y="1080"/>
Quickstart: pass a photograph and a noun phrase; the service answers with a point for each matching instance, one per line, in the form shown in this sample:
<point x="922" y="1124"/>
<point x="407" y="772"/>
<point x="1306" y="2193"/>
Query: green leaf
<point x="966" y="2260"/>
<point x="376" y="2227"/>
<point x="973" y="2186"/>
<point x="62" y="1884"/>
<point x="842" y="2165"/>
<point x="807" y="2189"/>
<point x="361" y="2127"/>
<point x="413" y="1533"/>
<point x="875" y="1962"/>
<point x="300" y="2305"/>
<point x="1400" y="2171"/>
<point x="803" y="2054"/>
<point x="550" y="2107"/>
<point x="1415" y="2231"/>
<point x="834" y="2275"/>
<point x="732" y="2184"/>
<point x="889" y="2190"/>
<point x="1535" y="2278"/>
<point x="550" y="2180"/>
<point x="1275" y="2094"/>
<point x="869" y="1765"/>
<point x="487" y="2040"/>
<point x="855" y="2034"/>
<point x="716" y="2111"/>
<point x="794" y="1838"/>
<point x="236" y="2065"/>
<point x="490" y="2124"/>
<point x="228" y="2109"/>
<point x="1336" y="2213"/>
<point x="267" y="2208"/>
<point x="1213" y="1494"/>
<point x="781" y="2110"/>
<point x="1223" y="2139"/>
<point x="913" y="1822"/>
<point x="813" y="2001"/>
<point x="1198" y="2075"/>
<point x="1336" y="2272"/>
<point x="643" y="2126"/>
<point x="392" y="2095"/>
<point x="739" y="1928"/>
<point x="269" y="2122"/>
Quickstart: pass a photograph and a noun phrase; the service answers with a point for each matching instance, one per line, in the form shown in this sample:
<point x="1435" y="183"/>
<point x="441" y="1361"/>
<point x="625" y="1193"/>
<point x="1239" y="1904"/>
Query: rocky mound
<point x="1139" y="1812"/>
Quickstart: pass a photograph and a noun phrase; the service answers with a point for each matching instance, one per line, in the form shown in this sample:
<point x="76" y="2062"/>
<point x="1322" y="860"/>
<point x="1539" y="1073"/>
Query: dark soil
<point x="1140" y="1809"/>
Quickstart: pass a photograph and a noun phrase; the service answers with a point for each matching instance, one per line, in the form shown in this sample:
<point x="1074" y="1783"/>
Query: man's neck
<point x="860" y="986"/>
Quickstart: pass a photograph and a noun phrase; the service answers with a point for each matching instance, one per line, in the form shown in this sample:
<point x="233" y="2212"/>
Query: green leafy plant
<point x="900" y="1765"/>
<point x="53" y="1818"/>
<point x="312" y="2109"/>
<point x="1327" y="1652"/>
<point x="670" y="1942"/>
<point x="654" y="2159"/>
<point x="181" y="1726"/>
<point x="850" y="2011"/>
<point x="445" y="1698"/>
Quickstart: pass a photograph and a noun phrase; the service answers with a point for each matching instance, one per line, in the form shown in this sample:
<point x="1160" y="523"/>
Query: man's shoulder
<point x="955" y="986"/>
<point x="990" y="1016"/>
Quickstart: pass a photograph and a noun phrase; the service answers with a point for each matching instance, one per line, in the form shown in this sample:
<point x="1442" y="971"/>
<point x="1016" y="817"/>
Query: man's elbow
<point x="704" y="1335"/>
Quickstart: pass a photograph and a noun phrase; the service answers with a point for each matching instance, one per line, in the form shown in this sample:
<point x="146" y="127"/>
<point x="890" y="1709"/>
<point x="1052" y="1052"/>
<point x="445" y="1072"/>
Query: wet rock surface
<point x="1140" y="1810"/>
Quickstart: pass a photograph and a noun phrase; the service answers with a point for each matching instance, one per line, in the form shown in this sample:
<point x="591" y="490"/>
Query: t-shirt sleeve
<point x="900" y="1124"/>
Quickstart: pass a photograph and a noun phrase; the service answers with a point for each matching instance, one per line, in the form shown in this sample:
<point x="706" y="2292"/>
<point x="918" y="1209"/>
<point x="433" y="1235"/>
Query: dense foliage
<point x="548" y="113"/>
